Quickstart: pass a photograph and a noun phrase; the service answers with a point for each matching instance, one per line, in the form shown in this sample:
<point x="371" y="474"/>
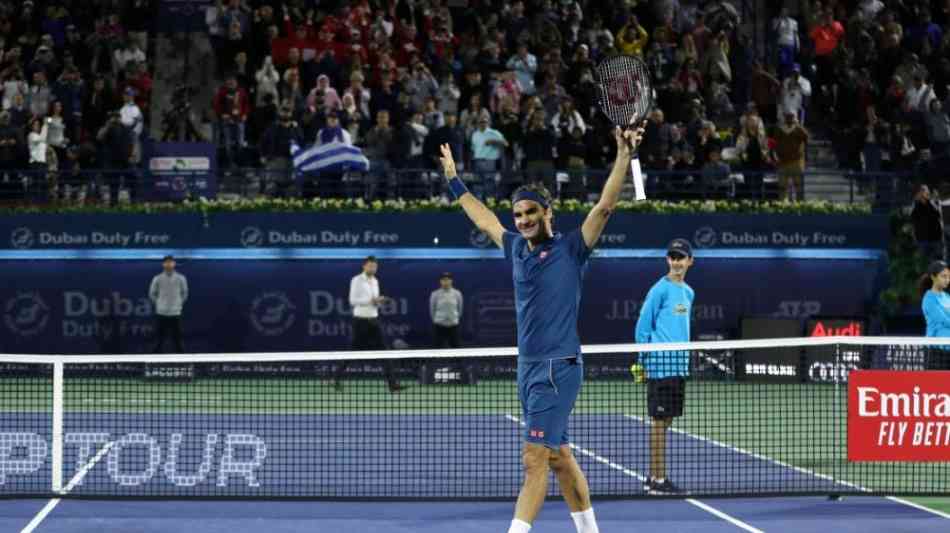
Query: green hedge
<point x="266" y="205"/>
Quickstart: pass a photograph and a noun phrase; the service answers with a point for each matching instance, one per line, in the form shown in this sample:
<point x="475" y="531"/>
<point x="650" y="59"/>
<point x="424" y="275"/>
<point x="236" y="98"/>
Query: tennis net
<point x="761" y="417"/>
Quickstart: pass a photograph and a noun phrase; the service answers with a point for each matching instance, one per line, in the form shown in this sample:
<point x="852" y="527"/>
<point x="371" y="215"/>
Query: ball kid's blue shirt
<point x="547" y="284"/>
<point x="665" y="317"/>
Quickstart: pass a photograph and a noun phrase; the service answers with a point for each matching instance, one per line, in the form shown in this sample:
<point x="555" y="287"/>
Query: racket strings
<point x="626" y="94"/>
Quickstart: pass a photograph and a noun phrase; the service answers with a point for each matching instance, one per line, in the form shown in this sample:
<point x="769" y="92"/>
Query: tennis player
<point x="665" y="317"/>
<point x="548" y="270"/>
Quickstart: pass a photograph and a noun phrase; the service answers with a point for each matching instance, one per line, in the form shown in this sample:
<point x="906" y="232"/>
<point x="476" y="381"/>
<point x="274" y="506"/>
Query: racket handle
<point x="638" y="190"/>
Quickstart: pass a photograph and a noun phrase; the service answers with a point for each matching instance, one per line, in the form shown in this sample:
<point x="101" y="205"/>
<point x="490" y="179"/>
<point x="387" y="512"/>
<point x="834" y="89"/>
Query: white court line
<point x="50" y="505"/>
<point x="793" y="467"/>
<point x="633" y="473"/>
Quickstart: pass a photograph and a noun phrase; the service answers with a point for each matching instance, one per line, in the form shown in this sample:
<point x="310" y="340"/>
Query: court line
<point x="76" y="479"/>
<point x="633" y="473"/>
<point x="793" y="467"/>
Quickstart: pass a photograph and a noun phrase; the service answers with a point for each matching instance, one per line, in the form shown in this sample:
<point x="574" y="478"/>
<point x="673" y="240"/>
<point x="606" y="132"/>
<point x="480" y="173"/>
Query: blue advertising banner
<point x="270" y="306"/>
<point x="180" y="170"/>
<point x="427" y="230"/>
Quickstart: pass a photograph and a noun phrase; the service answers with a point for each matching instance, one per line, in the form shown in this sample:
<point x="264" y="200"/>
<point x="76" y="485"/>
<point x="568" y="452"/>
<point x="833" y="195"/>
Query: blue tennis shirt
<point x="665" y="317"/>
<point x="547" y="284"/>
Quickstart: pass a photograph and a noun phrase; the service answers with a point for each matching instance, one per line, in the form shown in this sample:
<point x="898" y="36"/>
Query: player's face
<point x="679" y="264"/>
<point x="942" y="280"/>
<point x="532" y="220"/>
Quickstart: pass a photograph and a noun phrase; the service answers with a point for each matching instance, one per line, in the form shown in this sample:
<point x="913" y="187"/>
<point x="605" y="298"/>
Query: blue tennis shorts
<point x="547" y="390"/>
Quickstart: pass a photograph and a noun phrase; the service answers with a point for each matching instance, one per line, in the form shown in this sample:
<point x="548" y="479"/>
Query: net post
<point x="57" y="441"/>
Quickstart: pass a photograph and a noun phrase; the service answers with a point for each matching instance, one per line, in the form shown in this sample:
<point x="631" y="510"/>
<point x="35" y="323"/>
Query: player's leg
<point x="534" y="459"/>
<point x="568" y="375"/>
<point x="658" y="447"/>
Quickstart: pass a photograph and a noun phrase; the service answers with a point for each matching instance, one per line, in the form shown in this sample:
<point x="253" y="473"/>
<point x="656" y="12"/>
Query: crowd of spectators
<point x="76" y="85"/>
<point x="509" y="85"/>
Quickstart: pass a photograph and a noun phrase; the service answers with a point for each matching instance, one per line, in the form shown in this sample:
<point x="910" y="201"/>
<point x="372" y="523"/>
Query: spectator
<point x="420" y="86"/>
<point x="919" y="96"/>
<point x="411" y="143"/>
<point x="927" y="219"/>
<point x="938" y="130"/>
<point x="487" y="146"/>
<point x="13" y="84"/>
<point x="445" y="310"/>
<point x="57" y="138"/>
<point x="448" y="95"/>
<point x="572" y="152"/>
<point x="794" y="94"/>
<point x="361" y="95"/>
<point x="787" y="45"/>
<point x="752" y="145"/>
<point x="39" y="153"/>
<point x="873" y="138"/>
<point x="352" y="117"/>
<point x="716" y="175"/>
<point x="267" y="80"/>
<point x="39" y="95"/>
<point x="133" y="119"/>
<point x="11" y="143"/>
<point x="168" y="293"/>
<point x="275" y="151"/>
<point x="566" y="119"/>
<point x="450" y="134"/>
<point x="525" y="65"/>
<point x="432" y="117"/>
<point x="259" y="119"/>
<point x="472" y="115"/>
<point x="330" y="184"/>
<point x="632" y="38"/>
<point x="130" y="53"/>
<point x="96" y="105"/>
<point x="378" y="147"/>
<point x="509" y="88"/>
<point x="826" y="37"/>
<point x="790" y="141"/>
<point x="539" y="151"/>
<point x="655" y="146"/>
<point x="323" y="96"/>
<point x="115" y="152"/>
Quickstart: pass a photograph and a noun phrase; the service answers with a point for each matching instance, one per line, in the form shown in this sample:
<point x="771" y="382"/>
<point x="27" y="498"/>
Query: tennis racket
<point x="626" y="97"/>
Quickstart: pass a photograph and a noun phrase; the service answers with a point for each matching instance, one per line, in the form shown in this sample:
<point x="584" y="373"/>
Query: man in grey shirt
<point x="168" y="292"/>
<point x="445" y="308"/>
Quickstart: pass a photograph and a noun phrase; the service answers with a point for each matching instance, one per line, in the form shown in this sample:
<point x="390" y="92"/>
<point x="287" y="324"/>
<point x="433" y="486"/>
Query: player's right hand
<point x="448" y="162"/>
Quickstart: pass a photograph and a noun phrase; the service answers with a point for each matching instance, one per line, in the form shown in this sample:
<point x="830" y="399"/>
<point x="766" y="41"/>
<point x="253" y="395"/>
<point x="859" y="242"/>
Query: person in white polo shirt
<point x="365" y="300"/>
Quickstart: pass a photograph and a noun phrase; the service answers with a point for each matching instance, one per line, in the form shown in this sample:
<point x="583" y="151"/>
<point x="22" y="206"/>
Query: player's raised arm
<point x="596" y="221"/>
<point x="484" y="218"/>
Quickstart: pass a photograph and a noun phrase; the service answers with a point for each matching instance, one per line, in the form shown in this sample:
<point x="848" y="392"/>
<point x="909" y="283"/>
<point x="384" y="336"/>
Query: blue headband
<point x="530" y="195"/>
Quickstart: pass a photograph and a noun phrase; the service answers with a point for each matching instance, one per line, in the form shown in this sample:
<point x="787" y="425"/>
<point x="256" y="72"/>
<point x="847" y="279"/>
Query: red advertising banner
<point x="898" y="416"/>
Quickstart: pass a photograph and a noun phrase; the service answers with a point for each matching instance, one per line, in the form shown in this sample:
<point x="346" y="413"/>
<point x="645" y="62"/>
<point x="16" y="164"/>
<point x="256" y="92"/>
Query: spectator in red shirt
<point x="826" y="36"/>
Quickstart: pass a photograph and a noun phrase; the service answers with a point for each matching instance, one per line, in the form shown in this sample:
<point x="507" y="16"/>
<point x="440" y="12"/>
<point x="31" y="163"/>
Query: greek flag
<point x="330" y="157"/>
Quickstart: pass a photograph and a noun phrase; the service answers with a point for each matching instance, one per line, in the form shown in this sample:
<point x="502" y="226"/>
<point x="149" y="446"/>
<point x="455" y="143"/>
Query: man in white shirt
<point x="132" y="118"/>
<point x="365" y="300"/>
<point x="796" y="89"/>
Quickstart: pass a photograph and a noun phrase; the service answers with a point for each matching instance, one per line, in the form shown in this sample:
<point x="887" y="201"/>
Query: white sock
<point x="585" y="521"/>
<point x="517" y="526"/>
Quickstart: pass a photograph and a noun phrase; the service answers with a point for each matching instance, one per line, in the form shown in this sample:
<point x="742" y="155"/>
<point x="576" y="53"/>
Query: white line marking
<point x="924" y="508"/>
<point x="633" y="473"/>
<point x="796" y="468"/>
<point x="50" y="505"/>
<point x="732" y="520"/>
<point x="753" y="454"/>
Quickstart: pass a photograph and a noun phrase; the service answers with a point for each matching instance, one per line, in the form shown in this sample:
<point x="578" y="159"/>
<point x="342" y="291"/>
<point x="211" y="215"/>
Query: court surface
<point x="857" y="514"/>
